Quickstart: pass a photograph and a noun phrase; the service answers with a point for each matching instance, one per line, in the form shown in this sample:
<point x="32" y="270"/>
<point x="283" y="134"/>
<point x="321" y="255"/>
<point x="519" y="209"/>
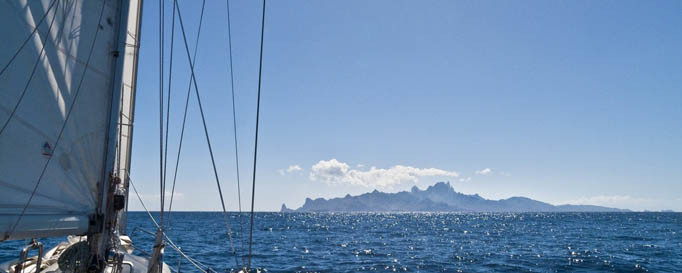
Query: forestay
<point x="35" y="108"/>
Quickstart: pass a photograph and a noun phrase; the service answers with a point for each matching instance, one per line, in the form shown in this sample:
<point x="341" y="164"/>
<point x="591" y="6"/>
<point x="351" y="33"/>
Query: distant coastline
<point x="438" y="197"/>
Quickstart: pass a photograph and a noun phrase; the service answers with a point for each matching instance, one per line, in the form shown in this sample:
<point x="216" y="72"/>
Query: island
<point x="440" y="197"/>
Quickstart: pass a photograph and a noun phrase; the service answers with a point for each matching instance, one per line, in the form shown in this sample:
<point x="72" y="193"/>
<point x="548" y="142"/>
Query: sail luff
<point x="122" y="91"/>
<point x="128" y="101"/>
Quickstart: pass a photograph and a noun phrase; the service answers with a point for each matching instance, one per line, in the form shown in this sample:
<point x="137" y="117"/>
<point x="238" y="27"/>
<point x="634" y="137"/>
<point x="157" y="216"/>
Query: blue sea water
<point x="420" y="242"/>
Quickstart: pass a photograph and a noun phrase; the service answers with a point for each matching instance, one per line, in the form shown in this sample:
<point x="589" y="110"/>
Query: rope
<point x="33" y="71"/>
<point x="255" y="146"/>
<point x="234" y="125"/>
<point x="68" y="115"/>
<point x="208" y="140"/>
<point x="29" y="37"/>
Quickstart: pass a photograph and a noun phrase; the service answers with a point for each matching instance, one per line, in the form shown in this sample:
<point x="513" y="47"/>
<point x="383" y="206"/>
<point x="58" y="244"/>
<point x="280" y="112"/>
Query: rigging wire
<point x="234" y="126"/>
<point x="161" y="71"/>
<point x="208" y="139"/>
<point x="184" y="118"/>
<point x="168" y="106"/>
<point x="255" y="146"/>
<point x="170" y="242"/>
<point x="33" y="71"/>
<point x="66" y="120"/>
<point x="35" y="29"/>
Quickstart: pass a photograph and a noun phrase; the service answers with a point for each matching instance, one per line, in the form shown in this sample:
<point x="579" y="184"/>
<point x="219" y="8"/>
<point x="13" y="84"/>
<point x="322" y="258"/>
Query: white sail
<point x="74" y="69"/>
<point x="127" y="105"/>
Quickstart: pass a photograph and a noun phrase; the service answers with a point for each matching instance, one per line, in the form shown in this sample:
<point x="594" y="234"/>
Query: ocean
<point x="418" y="242"/>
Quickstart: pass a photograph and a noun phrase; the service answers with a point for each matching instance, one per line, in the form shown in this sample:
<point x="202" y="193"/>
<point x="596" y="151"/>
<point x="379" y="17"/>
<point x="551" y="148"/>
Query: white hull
<point x="49" y="264"/>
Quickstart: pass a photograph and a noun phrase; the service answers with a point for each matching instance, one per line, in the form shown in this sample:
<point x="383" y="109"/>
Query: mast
<point x="115" y="180"/>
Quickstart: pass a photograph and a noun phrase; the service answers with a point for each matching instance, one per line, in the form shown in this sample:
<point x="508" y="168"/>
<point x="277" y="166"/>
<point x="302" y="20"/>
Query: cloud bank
<point x="627" y="202"/>
<point x="334" y="172"/>
<point x="605" y="200"/>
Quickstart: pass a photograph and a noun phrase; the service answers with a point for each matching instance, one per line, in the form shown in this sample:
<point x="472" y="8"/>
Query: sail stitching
<point x="61" y="131"/>
<point x="67" y="53"/>
<point x="33" y="71"/>
<point x="35" y="29"/>
<point x="24" y="190"/>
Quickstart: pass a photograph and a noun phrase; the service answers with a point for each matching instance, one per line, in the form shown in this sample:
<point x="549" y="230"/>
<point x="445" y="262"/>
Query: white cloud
<point x="603" y="200"/>
<point x="290" y="169"/>
<point x="485" y="171"/>
<point x="360" y="165"/>
<point x="151" y="201"/>
<point x="628" y="202"/>
<point x="505" y="174"/>
<point x="334" y="172"/>
<point x="468" y="179"/>
<point x="620" y="201"/>
<point x="148" y="197"/>
<point x="294" y="168"/>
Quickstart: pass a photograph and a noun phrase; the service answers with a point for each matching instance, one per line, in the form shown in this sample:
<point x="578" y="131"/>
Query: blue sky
<point x="562" y="101"/>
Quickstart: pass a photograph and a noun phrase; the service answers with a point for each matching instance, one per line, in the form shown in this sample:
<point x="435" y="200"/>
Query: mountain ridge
<point x="438" y="197"/>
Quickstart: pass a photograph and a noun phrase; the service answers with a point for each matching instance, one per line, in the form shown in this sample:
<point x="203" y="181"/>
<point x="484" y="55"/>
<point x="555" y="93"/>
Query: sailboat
<point x="67" y="98"/>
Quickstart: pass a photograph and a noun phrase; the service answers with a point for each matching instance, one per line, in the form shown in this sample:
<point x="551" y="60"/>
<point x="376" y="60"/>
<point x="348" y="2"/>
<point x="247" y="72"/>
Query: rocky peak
<point x="285" y="209"/>
<point x="441" y="187"/>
